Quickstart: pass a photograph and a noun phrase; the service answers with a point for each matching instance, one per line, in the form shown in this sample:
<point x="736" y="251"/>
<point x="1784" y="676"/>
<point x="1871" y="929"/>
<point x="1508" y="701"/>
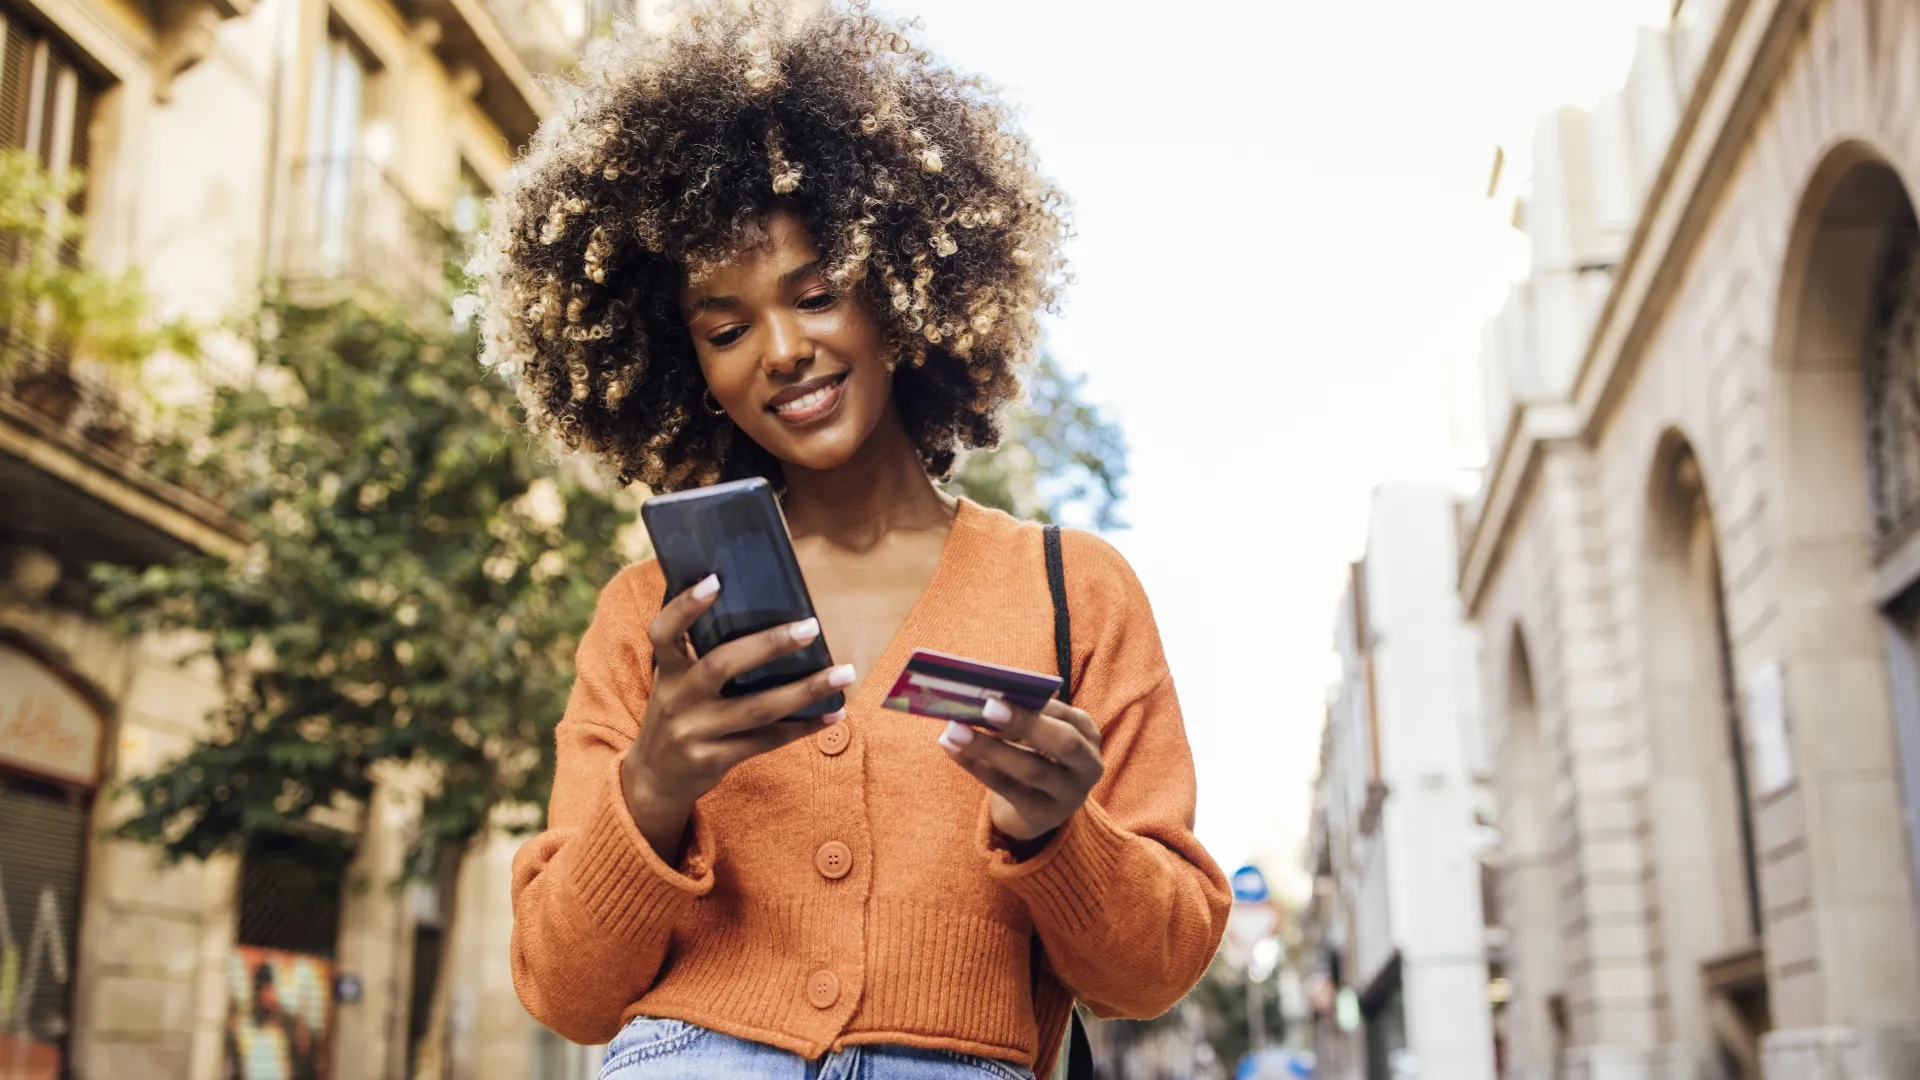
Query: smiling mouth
<point x="809" y="400"/>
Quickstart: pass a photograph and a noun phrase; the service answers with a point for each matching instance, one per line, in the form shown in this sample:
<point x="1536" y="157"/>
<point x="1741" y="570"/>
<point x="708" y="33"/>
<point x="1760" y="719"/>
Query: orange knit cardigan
<point x="845" y="889"/>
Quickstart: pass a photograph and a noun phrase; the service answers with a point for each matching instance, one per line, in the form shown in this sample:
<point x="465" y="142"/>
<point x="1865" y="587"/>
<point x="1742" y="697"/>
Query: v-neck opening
<point x="892" y="657"/>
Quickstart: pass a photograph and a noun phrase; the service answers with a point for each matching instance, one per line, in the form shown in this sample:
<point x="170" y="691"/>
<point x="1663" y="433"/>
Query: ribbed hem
<point x="947" y="973"/>
<point x="1067" y="884"/>
<point x="620" y="879"/>
<point x="913" y="976"/>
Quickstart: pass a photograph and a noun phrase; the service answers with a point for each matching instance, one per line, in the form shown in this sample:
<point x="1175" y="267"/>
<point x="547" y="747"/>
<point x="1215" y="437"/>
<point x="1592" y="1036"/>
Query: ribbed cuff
<point x="1067" y="884"/>
<point x="623" y="882"/>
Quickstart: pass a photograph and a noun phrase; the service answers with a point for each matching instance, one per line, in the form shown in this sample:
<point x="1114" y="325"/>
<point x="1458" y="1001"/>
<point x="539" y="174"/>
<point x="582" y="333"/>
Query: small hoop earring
<point x="712" y="404"/>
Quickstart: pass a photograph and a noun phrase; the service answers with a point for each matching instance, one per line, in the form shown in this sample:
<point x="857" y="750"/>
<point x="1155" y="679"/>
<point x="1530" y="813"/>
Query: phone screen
<point x="735" y="531"/>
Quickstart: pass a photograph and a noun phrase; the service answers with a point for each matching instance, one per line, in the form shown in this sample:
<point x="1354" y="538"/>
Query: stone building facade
<point x="1394" y="842"/>
<point x="1693" y="564"/>
<point x="328" y="143"/>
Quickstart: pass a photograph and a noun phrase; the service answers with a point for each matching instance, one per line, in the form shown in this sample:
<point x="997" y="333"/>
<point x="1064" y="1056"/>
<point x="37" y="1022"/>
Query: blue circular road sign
<point x="1249" y="885"/>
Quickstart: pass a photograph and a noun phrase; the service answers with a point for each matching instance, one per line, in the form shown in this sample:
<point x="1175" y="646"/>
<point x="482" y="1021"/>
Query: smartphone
<point x="953" y="688"/>
<point x="736" y="531"/>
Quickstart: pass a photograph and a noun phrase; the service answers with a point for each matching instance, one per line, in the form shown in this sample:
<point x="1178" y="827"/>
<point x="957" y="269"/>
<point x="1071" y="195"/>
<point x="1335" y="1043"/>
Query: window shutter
<point x="84" y="96"/>
<point x="47" y="102"/>
<point x="16" y="63"/>
<point x="16" y="60"/>
<point x="57" y="69"/>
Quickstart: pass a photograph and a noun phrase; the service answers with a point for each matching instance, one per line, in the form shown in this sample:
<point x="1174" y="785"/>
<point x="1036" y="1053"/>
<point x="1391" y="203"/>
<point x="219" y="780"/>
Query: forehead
<point x="780" y="243"/>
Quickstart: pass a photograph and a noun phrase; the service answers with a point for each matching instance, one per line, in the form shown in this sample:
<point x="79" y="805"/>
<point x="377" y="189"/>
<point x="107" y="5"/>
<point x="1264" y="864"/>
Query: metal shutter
<point x="290" y="892"/>
<point x="42" y="849"/>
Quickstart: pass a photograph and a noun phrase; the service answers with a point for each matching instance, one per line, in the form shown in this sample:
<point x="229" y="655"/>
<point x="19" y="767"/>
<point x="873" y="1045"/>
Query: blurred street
<point x="1612" y="708"/>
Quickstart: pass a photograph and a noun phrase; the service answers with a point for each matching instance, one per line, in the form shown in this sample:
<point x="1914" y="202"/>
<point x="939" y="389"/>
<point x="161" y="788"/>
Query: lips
<point x="810" y="400"/>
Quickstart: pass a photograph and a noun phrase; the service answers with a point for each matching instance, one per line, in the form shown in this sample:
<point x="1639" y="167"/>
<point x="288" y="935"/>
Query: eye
<point x="819" y="301"/>
<point x="727" y="337"/>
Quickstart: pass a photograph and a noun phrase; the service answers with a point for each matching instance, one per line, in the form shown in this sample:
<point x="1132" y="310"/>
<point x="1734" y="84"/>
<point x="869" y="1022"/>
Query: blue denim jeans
<point x="650" y="1049"/>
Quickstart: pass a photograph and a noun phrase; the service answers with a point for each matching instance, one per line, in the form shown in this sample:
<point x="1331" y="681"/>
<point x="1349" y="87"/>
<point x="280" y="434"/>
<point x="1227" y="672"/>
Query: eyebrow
<point x="787" y="280"/>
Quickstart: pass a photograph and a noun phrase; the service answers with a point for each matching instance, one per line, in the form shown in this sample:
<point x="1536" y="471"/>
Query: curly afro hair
<point x="663" y="158"/>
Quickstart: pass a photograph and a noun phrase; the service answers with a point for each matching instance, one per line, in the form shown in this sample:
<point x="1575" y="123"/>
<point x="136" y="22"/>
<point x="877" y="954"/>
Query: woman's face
<point x="798" y="368"/>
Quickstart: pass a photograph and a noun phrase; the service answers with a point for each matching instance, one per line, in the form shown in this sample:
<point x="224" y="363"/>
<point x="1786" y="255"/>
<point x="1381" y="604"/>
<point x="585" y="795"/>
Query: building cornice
<point x="1529" y="429"/>
<point x="1752" y="43"/>
<point x="484" y="62"/>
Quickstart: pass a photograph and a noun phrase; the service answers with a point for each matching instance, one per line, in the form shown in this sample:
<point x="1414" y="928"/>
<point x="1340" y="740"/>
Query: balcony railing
<point x="350" y="227"/>
<point x="42" y="390"/>
<point x="83" y="473"/>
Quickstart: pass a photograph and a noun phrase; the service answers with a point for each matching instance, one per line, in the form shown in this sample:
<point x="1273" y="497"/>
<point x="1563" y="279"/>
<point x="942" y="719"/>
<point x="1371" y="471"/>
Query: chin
<point x="818" y="452"/>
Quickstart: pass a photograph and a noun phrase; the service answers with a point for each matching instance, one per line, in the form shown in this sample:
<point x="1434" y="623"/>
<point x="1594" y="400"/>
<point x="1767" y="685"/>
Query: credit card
<point x="952" y="688"/>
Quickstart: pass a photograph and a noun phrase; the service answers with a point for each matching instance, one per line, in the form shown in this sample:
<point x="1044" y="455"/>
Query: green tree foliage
<point x="1059" y="460"/>
<point x="419" y="577"/>
<point x="49" y="298"/>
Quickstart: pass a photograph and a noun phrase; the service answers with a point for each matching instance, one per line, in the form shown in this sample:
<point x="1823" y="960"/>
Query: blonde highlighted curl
<point x="662" y="160"/>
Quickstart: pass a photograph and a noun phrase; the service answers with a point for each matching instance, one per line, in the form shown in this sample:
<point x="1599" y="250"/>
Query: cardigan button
<point x="823" y="989"/>
<point x="833" y="740"/>
<point x="834" y="860"/>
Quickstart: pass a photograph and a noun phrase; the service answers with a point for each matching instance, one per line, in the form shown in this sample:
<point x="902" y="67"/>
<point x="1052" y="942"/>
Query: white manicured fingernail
<point x="840" y="676"/>
<point x="805" y="630"/>
<point x="995" y="712"/>
<point x="706" y="587"/>
<point x="834" y="717"/>
<point x="956" y="736"/>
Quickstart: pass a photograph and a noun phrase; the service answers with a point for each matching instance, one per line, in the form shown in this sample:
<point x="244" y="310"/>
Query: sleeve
<point x="593" y="905"/>
<point x="1128" y="905"/>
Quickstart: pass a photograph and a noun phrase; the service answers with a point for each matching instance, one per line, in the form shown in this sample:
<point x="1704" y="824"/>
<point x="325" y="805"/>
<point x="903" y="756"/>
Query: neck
<point x="883" y="487"/>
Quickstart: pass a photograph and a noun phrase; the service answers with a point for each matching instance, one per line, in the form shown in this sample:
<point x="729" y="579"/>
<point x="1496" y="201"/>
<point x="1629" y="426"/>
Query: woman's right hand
<point x="691" y="736"/>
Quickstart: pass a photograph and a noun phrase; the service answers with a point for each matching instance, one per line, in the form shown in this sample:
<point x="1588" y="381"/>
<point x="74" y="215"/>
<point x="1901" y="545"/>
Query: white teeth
<point x="802" y="404"/>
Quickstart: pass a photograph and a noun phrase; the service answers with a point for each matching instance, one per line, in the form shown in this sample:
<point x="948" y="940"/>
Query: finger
<point x="1079" y="718"/>
<point x="1008" y="721"/>
<point x="1023" y="767"/>
<point x="668" y="631"/>
<point x="756" y="741"/>
<point x="781" y="702"/>
<point x="742" y="655"/>
<point x="1028" y="800"/>
<point x="1051" y="736"/>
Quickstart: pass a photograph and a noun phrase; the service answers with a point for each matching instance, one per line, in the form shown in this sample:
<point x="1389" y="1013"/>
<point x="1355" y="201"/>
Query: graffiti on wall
<point x="281" y="1009"/>
<point x="46" y="728"/>
<point x="30" y="1037"/>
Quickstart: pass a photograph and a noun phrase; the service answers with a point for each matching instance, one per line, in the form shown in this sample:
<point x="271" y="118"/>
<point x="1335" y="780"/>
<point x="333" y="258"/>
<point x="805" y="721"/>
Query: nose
<point x="788" y="345"/>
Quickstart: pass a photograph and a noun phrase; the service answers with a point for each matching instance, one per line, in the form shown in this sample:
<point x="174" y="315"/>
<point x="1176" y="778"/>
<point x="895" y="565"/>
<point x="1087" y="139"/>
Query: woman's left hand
<point x="1040" y="766"/>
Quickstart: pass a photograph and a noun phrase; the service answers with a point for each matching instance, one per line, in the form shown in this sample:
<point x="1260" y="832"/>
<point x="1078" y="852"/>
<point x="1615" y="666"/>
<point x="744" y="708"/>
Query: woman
<point x="792" y="246"/>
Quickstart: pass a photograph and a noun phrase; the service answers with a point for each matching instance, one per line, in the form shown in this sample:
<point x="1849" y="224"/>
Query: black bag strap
<point x="1079" y="1052"/>
<point x="1062" y="617"/>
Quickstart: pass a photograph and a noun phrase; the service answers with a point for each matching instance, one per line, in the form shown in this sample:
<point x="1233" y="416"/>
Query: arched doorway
<point x="1530" y="897"/>
<point x="50" y="747"/>
<point x="1890" y="386"/>
<point x="1848" y="521"/>
<point x="1699" y="805"/>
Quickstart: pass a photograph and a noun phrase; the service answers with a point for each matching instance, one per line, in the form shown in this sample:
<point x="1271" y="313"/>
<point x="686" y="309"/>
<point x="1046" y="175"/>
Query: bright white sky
<point x="1284" y="246"/>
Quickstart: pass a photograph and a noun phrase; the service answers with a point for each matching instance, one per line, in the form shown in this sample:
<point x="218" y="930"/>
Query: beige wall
<point x="188" y="186"/>
<point x="492" y="1036"/>
<point x="149" y="990"/>
<point x="1776" y="426"/>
